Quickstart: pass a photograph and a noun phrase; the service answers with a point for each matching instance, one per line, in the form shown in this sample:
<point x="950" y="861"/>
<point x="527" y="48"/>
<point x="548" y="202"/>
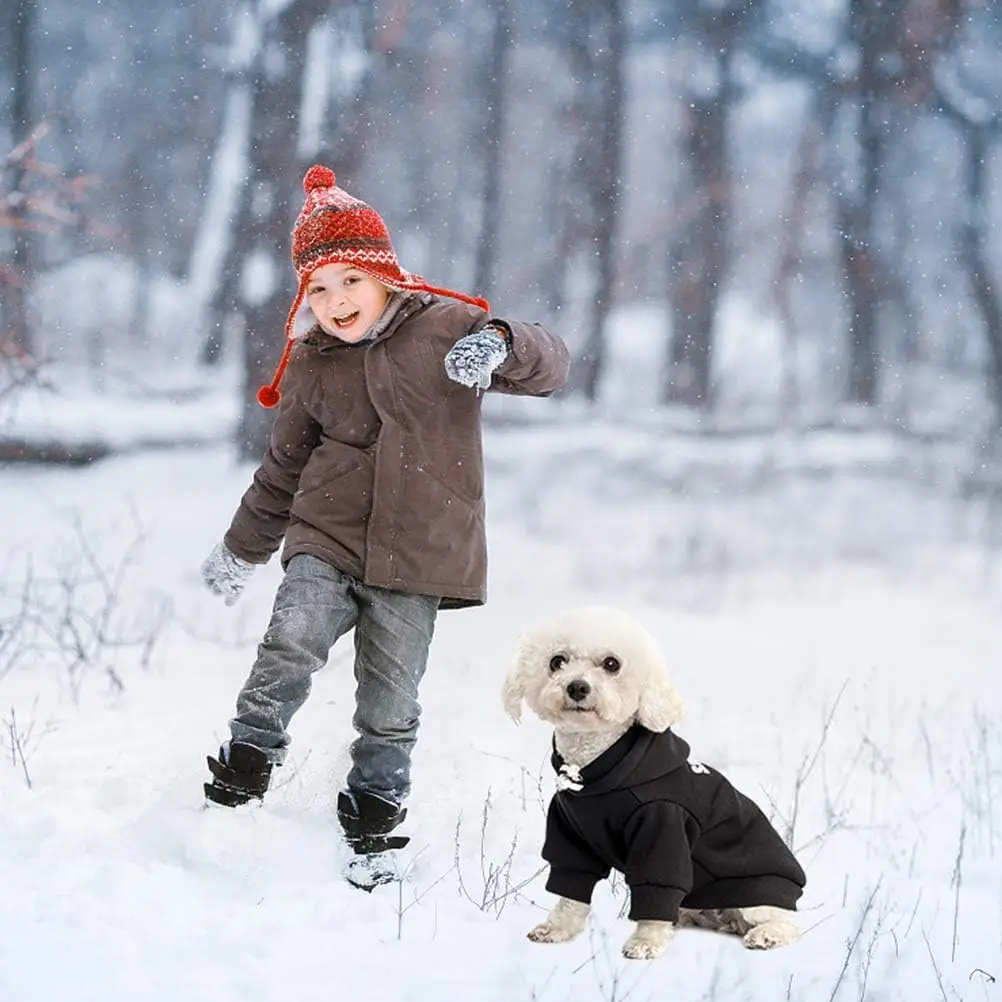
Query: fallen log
<point x="20" y="450"/>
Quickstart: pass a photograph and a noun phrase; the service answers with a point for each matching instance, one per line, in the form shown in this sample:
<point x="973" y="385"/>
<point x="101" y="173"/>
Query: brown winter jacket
<point x="376" y="462"/>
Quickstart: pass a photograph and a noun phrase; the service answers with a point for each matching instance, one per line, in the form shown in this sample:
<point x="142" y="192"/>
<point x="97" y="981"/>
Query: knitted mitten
<point x="225" y="573"/>
<point x="473" y="358"/>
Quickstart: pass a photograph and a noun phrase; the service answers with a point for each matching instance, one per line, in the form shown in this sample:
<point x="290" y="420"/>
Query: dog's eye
<point x="611" y="665"/>
<point x="557" y="662"/>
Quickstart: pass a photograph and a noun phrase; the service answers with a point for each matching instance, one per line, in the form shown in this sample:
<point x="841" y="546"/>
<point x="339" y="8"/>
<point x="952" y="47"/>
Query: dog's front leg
<point x="649" y="940"/>
<point x="565" y="921"/>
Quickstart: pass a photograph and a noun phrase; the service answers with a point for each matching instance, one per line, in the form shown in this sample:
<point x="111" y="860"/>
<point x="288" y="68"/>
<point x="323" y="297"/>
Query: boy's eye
<point x="313" y="291"/>
<point x="351" y="280"/>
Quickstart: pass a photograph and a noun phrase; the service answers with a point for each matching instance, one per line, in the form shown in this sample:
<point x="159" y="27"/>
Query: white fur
<point x="566" y="921"/>
<point x="608" y="704"/>
<point x="641" y="690"/>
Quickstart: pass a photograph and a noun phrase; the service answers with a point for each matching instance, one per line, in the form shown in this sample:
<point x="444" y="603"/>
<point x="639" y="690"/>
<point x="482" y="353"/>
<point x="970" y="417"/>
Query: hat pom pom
<point x="318" y="176"/>
<point x="268" y="396"/>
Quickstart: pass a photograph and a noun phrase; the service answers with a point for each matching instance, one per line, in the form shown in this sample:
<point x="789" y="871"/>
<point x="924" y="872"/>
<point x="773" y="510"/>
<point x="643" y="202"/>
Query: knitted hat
<point x="335" y="228"/>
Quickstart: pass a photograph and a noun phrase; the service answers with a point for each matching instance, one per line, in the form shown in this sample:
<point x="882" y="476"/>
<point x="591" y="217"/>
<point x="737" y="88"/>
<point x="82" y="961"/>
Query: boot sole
<point x="224" y="796"/>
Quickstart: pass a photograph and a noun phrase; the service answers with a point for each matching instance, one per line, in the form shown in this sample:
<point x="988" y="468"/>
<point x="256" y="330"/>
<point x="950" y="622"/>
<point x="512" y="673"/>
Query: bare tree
<point x="491" y="147"/>
<point x="790" y="264"/>
<point x="43" y="202"/>
<point x="980" y="131"/>
<point x="897" y="42"/>
<point x="20" y="32"/>
<point x="596" y="46"/>
<point x="700" y="250"/>
<point x="856" y="114"/>
<point x="255" y="286"/>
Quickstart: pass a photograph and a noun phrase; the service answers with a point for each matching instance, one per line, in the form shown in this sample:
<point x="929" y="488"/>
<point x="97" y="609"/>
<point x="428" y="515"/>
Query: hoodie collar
<point x="637" y="757"/>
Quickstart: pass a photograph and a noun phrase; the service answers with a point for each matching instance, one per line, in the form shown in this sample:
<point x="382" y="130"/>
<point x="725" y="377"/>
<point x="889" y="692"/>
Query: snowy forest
<point x="765" y="231"/>
<point x="824" y="173"/>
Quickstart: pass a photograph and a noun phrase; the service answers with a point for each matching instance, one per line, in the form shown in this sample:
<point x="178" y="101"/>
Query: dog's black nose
<point x="578" y="689"/>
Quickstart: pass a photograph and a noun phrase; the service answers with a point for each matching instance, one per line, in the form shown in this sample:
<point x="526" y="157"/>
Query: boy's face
<point x="345" y="301"/>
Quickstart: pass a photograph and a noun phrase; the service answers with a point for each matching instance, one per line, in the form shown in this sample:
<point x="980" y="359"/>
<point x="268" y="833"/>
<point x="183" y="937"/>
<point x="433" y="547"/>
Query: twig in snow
<point x="935" y="967"/>
<point x="401" y="908"/>
<point x="18" y="744"/>
<point x="851" y="946"/>
<point x="956" y="881"/>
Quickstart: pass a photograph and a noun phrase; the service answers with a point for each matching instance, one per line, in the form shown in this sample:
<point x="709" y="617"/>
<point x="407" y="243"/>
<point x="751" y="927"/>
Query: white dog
<point x="629" y="798"/>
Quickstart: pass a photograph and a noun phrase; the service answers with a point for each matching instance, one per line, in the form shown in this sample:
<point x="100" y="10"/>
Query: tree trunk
<point x="207" y="272"/>
<point x="789" y="264"/>
<point x="264" y="291"/>
<point x="975" y="258"/>
<point x="700" y="254"/>
<point x="491" y="151"/>
<point x="855" y="218"/>
<point x="14" y="316"/>
<point x="598" y="52"/>
<point x="605" y="190"/>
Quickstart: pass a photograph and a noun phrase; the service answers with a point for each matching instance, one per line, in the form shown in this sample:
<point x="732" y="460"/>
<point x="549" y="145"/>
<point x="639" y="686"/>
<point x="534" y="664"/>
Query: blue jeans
<point x="315" y="605"/>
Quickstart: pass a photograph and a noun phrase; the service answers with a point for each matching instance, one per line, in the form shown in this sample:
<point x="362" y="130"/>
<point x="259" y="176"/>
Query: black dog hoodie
<point x="678" y="831"/>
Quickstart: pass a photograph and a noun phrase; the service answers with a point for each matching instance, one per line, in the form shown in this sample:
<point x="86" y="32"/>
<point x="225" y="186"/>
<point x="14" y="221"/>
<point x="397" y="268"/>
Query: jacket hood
<point x="639" y="756"/>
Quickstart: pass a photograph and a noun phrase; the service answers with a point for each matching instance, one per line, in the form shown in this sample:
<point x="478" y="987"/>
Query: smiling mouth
<point x="347" y="321"/>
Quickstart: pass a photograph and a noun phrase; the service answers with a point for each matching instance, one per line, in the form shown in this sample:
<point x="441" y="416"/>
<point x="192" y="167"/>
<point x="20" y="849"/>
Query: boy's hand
<point x="225" y="573"/>
<point x="473" y="358"/>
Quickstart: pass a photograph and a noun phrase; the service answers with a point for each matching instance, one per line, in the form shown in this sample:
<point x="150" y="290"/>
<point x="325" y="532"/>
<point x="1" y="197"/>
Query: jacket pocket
<point x="334" y="493"/>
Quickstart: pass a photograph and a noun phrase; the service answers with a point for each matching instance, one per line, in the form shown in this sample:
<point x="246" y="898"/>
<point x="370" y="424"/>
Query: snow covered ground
<point x="833" y="625"/>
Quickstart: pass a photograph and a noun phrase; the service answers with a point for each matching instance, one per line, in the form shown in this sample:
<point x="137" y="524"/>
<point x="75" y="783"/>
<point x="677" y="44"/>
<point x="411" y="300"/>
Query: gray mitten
<point x="473" y="358"/>
<point x="225" y="573"/>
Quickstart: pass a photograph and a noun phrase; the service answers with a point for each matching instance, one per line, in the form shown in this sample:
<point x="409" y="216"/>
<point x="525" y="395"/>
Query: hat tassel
<point x="472" y="300"/>
<point x="269" y="396"/>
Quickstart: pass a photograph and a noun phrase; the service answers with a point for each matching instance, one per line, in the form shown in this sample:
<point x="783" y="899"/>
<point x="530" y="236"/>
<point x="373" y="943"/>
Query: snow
<point x="831" y="614"/>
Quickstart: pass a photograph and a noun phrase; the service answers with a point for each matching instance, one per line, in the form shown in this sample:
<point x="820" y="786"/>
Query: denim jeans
<point x="315" y="605"/>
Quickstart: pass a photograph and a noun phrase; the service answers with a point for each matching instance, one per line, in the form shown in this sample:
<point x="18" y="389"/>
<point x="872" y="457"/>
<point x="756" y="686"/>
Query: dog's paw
<point x="770" y="935"/>
<point x="547" y="932"/>
<point x="649" y="941"/>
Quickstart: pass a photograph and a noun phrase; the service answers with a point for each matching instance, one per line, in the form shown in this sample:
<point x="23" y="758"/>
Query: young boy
<point x="374" y="477"/>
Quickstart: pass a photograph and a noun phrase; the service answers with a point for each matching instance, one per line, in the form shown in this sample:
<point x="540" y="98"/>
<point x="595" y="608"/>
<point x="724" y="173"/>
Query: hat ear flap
<point x="660" y="704"/>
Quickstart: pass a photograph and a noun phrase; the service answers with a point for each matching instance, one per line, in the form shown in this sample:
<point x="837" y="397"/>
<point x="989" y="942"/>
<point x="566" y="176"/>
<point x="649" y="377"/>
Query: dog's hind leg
<point x="702" y="918"/>
<point x="565" y="921"/>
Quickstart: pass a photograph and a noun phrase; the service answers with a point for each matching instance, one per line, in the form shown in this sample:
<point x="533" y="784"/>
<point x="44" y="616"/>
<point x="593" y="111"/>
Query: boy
<point x="374" y="477"/>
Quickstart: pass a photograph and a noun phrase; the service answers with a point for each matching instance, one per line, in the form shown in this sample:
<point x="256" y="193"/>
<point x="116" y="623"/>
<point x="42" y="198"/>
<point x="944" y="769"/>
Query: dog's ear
<point x="513" y="690"/>
<point x="511" y="696"/>
<point x="660" y="704"/>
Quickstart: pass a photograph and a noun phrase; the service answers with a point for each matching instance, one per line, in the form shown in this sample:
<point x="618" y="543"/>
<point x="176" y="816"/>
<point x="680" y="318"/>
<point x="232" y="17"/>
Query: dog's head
<point x="591" y="669"/>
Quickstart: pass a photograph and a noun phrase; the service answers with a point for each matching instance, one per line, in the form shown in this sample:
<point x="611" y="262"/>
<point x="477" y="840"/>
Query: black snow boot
<point x="240" y="774"/>
<point x="367" y="821"/>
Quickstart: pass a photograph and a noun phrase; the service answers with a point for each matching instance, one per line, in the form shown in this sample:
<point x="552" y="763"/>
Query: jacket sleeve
<point x="575" y="869"/>
<point x="537" y="364"/>
<point x="263" y="516"/>
<point x="659" y="839"/>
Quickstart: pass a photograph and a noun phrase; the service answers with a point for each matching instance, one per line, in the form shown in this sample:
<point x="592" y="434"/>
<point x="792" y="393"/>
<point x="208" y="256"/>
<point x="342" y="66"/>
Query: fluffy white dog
<point x="629" y="798"/>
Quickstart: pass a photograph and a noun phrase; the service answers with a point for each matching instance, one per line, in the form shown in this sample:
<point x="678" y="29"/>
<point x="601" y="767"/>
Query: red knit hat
<point x="335" y="228"/>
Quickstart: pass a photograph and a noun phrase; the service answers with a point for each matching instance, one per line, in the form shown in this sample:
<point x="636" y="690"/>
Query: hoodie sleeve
<point x="263" y="516"/>
<point x="537" y="364"/>
<point x="575" y="869"/>
<point x="659" y="839"/>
